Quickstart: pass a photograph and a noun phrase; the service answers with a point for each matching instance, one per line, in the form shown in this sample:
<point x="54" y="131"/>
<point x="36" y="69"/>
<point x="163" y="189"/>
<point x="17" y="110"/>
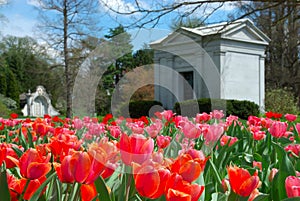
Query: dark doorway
<point x="188" y="88"/>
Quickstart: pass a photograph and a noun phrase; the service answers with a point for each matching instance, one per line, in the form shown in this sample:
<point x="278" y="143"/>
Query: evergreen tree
<point x="12" y="90"/>
<point x="3" y="70"/>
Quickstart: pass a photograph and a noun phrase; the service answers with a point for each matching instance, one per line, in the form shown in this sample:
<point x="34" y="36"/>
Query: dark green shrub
<point x="4" y="111"/>
<point x="8" y="102"/>
<point x="240" y="108"/>
<point x="139" y="108"/>
<point x="243" y="108"/>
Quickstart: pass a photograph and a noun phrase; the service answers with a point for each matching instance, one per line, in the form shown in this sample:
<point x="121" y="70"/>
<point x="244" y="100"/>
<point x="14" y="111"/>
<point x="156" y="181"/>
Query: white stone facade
<point x="225" y="61"/>
<point x="38" y="104"/>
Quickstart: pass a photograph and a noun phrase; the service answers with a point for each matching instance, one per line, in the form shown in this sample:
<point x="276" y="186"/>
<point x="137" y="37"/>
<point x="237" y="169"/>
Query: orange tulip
<point x="241" y="182"/>
<point x="189" y="168"/>
<point x="80" y="167"/>
<point x="174" y="195"/>
<point x="135" y="148"/>
<point x="33" y="165"/>
<point x="74" y="167"/>
<point x="178" y="189"/>
<point x="156" y="177"/>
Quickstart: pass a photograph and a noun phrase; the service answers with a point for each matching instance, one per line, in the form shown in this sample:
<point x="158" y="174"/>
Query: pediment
<point x="177" y="38"/>
<point x="246" y="34"/>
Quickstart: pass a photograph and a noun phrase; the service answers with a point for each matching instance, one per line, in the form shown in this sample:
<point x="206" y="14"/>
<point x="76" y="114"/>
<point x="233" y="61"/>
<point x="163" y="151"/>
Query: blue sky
<point x="21" y="17"/>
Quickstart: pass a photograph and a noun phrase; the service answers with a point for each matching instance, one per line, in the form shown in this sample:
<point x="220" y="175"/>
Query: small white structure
<point x="222" y="61"/>
<point x="38" y="104"/>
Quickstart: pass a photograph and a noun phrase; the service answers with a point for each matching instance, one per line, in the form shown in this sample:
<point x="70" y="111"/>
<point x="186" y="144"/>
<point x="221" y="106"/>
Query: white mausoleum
<point x="223" y="61"/>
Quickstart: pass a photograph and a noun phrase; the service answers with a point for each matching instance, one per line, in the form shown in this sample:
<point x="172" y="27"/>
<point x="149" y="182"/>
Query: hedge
<point x="240" y="108"/>
<point x="139" y="108"/>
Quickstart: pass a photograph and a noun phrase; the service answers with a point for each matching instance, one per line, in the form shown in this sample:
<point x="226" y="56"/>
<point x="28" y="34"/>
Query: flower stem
<point x="128" y="187"/>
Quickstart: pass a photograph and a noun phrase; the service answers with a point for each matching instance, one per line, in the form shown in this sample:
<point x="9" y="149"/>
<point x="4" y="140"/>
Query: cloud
<point x="18" y="26"/>
<point x="117" y="5"/>
<point x="2" y="2"/>
<point x="34" y="3"/>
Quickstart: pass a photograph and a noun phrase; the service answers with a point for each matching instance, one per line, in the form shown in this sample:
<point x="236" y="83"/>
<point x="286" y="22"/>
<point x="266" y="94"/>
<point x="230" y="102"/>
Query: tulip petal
<point x="175" y="195"/>
<point x="190" y="171"/>
<point x="83" y="167"/>
<point x="36" y="170"/>
<point x="88" y="192"/>
<point x="151" y="176"/>
<point x="248" y="186"/>
<point x="66" y="169"/>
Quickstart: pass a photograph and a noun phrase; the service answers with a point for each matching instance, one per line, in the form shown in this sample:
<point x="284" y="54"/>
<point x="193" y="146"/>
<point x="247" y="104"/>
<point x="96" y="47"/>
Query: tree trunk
<point x="66" y="63"/>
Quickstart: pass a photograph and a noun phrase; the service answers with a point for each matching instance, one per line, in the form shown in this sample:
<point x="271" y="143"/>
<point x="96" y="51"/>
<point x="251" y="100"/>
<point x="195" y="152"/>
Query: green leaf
<point x="4" y="191"/>
<point x="219" y="197"/>
<point x="22" y="140"/>
<point x="216" y="173"/>
<point x="30" y="138"/>
<point x="36" y="195"/>
<point x="17" y="151"/>
<point x="292" y="199"/>
<point x="262" y="197"/>
<point x="286" y="169"/>
<point x="102" y="189"/>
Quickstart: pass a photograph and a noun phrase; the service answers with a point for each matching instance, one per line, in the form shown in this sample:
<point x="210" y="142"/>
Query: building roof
<point x="225" y="29"/>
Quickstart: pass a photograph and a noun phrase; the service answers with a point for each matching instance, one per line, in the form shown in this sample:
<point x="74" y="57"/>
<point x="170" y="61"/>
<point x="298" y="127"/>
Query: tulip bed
<point x="168" y="157"/>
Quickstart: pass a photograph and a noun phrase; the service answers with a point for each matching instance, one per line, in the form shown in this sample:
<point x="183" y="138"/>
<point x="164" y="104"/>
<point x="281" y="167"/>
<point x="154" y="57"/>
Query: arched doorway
<point x="40" y="106"/>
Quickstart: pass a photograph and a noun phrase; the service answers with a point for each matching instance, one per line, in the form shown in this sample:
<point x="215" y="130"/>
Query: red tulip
<point x="241" y="182"/>
<point x="17" y="186"/>
<point x="85" y="167"/>
<point x="292" y="186"/>
<point x="3" y="153"/>
<point x="14" y="115"/>
<point x="33" y="165"/>
<point x="156" y="177"/>
<point x="88" y="192"/>
<point x="135" y="148"/>
<point x="80" y="167"/>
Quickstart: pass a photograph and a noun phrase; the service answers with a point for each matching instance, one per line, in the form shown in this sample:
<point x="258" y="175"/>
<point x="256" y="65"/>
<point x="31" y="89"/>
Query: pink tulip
<point x="298" y="127"/>
<point x="290" y="117"/>
<point x="278" y="129"/>
<point x="135" y="148"/>
<point x="213" y="133"/>
<point x="191" y="130"/>
<point x="225" y="139"/>
<point x="217" y="114"/>
<point x="292" y="186"/>
<point x="163" y="141"/>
